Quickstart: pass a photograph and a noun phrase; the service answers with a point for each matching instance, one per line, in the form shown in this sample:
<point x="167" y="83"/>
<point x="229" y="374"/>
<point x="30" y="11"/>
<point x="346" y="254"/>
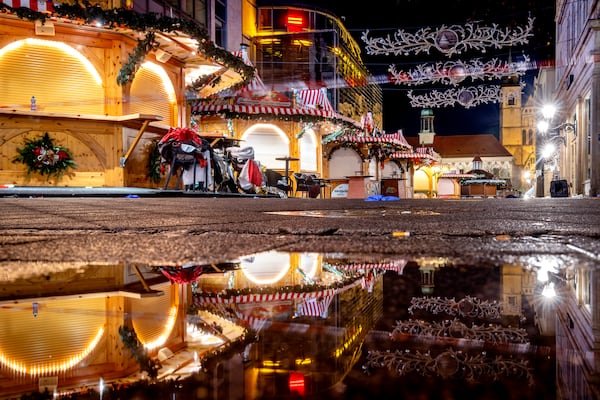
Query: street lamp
<point x="544" y="127"/>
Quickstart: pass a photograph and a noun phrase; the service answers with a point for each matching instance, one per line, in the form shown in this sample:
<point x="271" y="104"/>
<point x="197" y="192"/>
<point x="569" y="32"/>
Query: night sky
<point x="383" y="17"/>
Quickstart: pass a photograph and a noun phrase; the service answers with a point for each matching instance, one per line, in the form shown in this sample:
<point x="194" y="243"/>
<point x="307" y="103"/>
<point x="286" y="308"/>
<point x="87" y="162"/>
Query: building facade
<point x="574" y="87"/>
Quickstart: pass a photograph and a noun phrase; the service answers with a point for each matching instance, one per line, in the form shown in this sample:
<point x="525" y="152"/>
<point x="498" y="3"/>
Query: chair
<point x="275" y="179"/>
<point x="306" y="184"/>
<point x="183" y="158"/>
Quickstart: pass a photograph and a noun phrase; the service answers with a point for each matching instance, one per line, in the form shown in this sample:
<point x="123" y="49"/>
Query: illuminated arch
<point x="268" y="141"/>
<point x="167" y="85"/>
<point x="73" y="328"/>
<point x="57" y="45"/>
<point x="308" y="151"/>
<point x="29" y="62"/>
<point x="152" y="92"/>
<point x="266" y="268"/>
<point x="153" y="330"/>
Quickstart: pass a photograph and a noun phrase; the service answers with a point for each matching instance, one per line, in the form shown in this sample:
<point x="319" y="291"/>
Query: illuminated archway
<point x="308" y="151"/>
<point x="72" y="329"/>
<point x="421" y="182"/>
<point x="344" y="162"/>
<point x="268" y="142"/>
<point x="29" y="61"/>
<point x="155" y="317"/>
<point x="152" y="92"/>
<point x="266" y="268"/>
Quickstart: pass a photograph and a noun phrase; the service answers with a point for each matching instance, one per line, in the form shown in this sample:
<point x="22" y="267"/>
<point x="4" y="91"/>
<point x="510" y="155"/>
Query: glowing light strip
<point x="167" y="85"/>
<point x="168" y="328"/>
<point x="57" y="45"/>
<point x="339" y="351"/>
<point x="49" y="368"/>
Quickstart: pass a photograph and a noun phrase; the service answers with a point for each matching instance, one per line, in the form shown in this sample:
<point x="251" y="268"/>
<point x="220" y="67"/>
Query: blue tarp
<point x="379" y="197"/>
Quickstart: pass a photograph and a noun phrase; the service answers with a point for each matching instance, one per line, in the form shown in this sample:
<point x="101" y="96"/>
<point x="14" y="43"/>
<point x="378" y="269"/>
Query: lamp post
<point x="543" y="128"/>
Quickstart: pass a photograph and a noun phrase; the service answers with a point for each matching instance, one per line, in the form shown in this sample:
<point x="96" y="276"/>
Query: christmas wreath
<point x="42" y="156"/>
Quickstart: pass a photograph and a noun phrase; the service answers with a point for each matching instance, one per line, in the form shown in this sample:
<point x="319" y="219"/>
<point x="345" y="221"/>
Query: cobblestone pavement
<point x="187" y="229"/>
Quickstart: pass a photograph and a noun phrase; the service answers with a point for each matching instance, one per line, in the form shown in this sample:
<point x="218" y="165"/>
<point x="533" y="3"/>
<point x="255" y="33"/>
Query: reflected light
<point x="266" y="268"/>
<point x="50" y="368"/>
<point x="549" y="291"/>
<point x="309" y="263"/>
<point x="168" y="328"/>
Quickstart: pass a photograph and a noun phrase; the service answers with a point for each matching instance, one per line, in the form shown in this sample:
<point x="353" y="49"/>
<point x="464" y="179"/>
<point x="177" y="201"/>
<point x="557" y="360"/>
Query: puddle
<point x="278" y="324"/>
<point x="351" y="213"/>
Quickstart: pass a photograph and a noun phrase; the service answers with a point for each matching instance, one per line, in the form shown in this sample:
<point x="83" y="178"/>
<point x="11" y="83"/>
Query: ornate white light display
<point x="454" y="72"/>
<point x="449" y="40"/>
<point x="449" y="363"/>
<point x="466" y="307"/>
<point x="467" y="97"/>
<point x="491" y="333"/>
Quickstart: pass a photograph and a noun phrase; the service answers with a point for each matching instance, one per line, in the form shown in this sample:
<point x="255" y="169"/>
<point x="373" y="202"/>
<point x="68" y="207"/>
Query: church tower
<point x="517" y="132"/>
<point x="426" y="133"/>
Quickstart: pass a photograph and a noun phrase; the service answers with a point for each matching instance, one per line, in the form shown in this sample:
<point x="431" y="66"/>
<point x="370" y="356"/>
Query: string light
<point x="467" y="97"/>
<point x="449" y="40"/>
<point x="454" y="72"/>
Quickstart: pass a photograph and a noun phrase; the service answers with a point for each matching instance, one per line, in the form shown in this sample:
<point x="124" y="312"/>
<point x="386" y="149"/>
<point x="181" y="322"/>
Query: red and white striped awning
<point x="420" y="153"/>
<point x="314" y="98"/>
<point x="314" y="307"/>
<point x="200" y="108"/>
<point x="392" y="138"/>
<point x="397" y="266"/>
<point x="455" y="175"/>
<point x="35" y="5"/>
<point x="264" y="298"/>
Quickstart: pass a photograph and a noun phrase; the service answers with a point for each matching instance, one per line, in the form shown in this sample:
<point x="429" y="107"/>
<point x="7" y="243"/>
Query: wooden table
<point x="357" y="186"/>
<point x="287" y="160"/>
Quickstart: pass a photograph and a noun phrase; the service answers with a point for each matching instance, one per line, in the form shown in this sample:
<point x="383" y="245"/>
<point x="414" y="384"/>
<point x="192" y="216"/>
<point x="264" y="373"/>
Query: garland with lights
<point x="147" y="23"/>
<point x="132" y="343"/>
<point x="449" y="364"/>
<point x="467" y="97"/>
<point x="449" y="40"/>
<point x="491" y="333"/>
<point x="466" y="307"/>
<point x="308" y="288"/>
<point x="453" y="72"/>
<point x="42" y="156"/>
<point x="301" y="118"/>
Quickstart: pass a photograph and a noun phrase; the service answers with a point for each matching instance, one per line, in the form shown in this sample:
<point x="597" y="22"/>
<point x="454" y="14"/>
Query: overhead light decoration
<point x="491" y="333"/>
<point x="449" y="363"/>
<point x="449" y="40"/>
<point x="467" y="97"/>
<point x="468" y="306"/>
<point x="454" y="72"/>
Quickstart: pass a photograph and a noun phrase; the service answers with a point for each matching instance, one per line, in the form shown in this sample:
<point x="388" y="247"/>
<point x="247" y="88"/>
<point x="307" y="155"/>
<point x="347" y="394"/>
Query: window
<point x="221" y="23"/>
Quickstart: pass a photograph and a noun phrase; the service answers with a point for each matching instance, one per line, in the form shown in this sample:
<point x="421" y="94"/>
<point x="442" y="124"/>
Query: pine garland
<point x="154" y="165"/>
<point x="147" y="23"/>
<point x="42" y="156"/>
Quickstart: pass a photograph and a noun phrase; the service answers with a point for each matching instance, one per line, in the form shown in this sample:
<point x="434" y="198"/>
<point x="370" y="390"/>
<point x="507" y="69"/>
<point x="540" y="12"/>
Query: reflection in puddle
<point x="351" y="213"/>
<point x="280" y="324"/>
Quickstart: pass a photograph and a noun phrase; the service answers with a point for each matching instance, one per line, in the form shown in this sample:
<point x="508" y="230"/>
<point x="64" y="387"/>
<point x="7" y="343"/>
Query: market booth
<point x="113" y="91"/>
<point x="284" y="129"/>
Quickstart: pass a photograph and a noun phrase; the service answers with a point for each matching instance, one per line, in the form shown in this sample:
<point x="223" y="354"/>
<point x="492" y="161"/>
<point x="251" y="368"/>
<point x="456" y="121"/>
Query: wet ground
<point x="179" y="230"/>
<point x="382" y="252"/>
